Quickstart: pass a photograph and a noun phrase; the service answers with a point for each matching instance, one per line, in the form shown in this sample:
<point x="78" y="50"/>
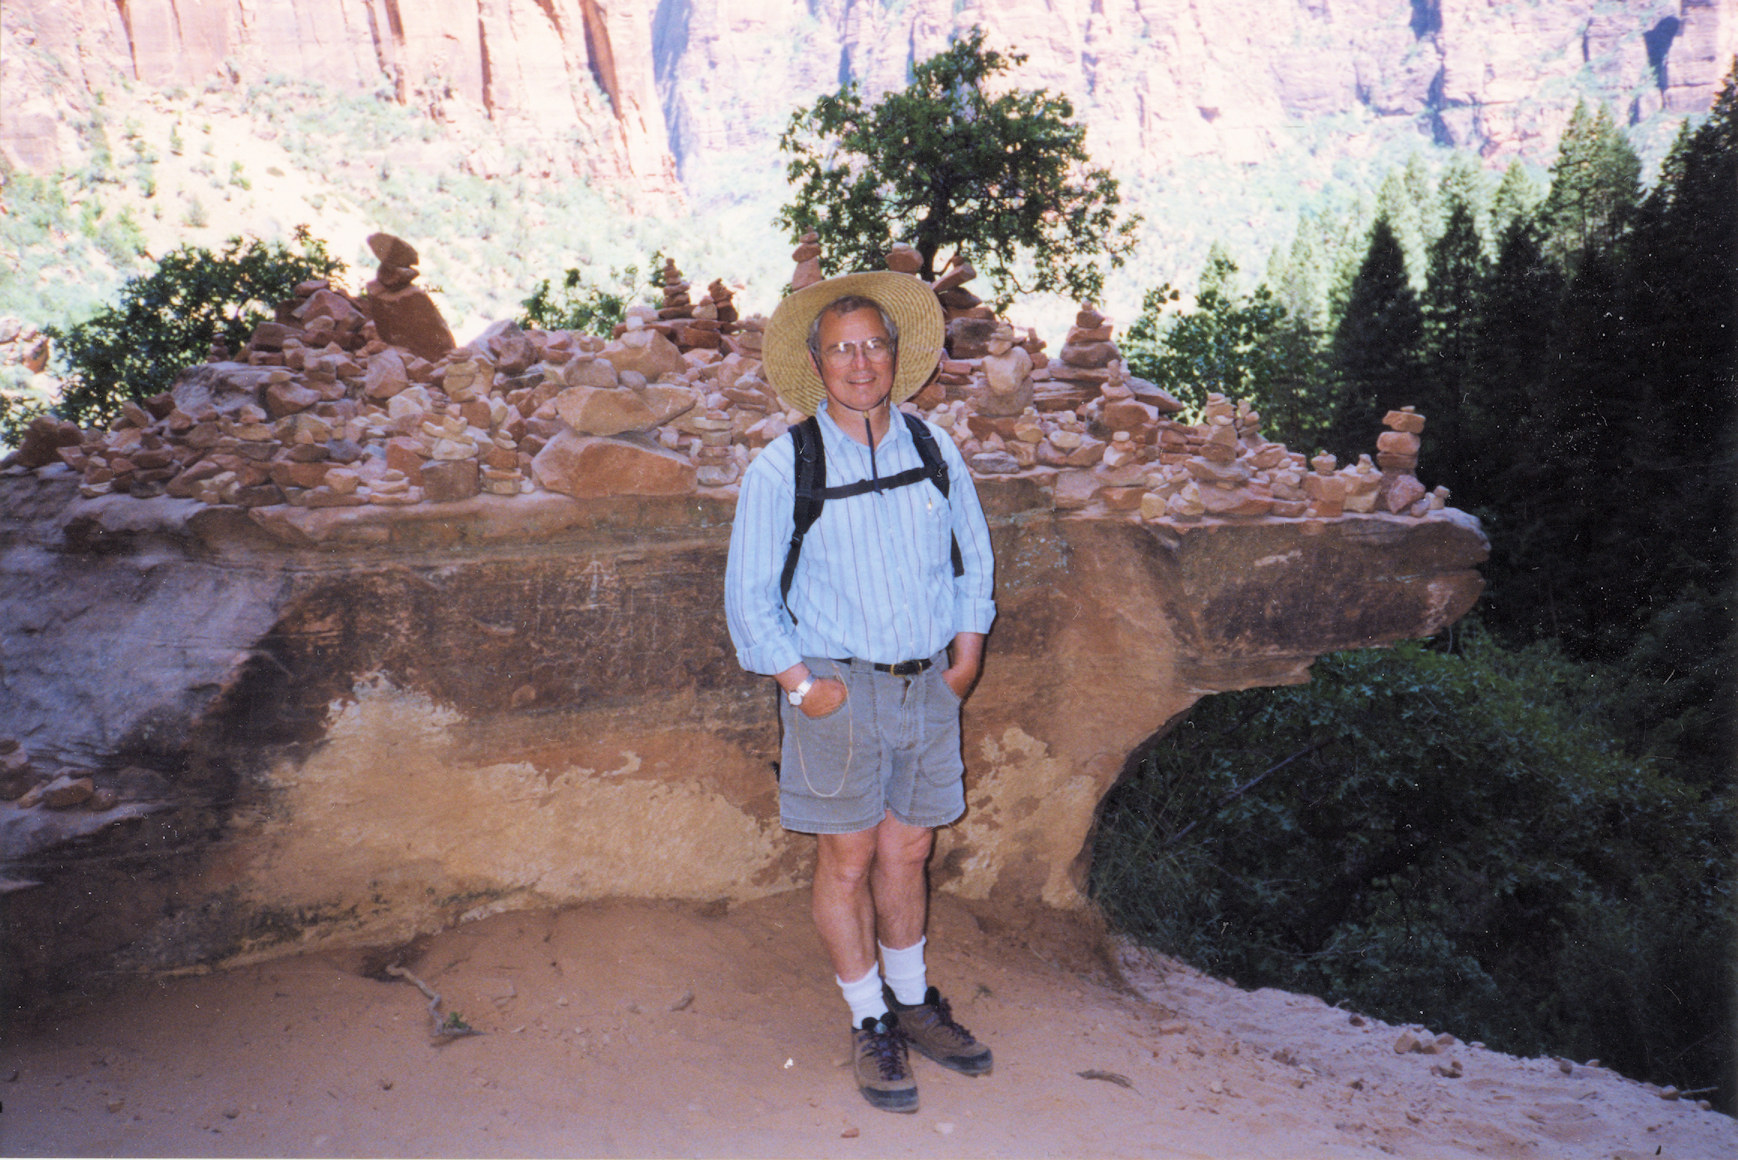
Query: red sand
<point x="640" y="1029"/>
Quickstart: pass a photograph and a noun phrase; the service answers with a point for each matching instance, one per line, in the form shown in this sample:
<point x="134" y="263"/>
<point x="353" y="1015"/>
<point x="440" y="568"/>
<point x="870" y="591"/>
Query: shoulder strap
<point x="812" y="490"/>
<point x="935" y="467"/>
<point x="811" y="481"/>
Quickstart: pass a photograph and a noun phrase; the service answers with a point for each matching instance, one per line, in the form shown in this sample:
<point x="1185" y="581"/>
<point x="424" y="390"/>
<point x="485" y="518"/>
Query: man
<point x="876" y="643"/>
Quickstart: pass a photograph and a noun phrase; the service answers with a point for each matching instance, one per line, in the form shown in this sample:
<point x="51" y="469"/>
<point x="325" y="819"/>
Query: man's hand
<point x="826" y="695"/>
<point x="965" y="661"/>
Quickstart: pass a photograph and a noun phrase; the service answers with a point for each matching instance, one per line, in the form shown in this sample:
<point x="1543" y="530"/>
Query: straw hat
<point x="907" y="298"/>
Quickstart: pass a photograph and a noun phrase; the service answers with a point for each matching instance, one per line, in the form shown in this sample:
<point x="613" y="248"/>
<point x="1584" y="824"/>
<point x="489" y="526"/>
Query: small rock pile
<point x="26" y="786"/>
<point x="348" y="401"/>
<point x="23" y="345"/>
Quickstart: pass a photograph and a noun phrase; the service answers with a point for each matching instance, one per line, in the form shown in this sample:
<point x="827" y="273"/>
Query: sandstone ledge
<point x="365" y="724"/>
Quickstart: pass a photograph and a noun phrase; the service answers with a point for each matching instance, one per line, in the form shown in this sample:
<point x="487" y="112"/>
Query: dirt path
<point x="637" y="1029"/>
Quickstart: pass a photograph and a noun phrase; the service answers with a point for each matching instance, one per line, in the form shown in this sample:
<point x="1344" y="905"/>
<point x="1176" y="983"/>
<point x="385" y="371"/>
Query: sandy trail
<point x="640" y="1029"/>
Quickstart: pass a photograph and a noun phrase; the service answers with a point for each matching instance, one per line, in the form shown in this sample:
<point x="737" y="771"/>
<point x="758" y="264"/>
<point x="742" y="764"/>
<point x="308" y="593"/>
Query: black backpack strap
<point x="811" y="479"/>
<point x="935" y="467"/>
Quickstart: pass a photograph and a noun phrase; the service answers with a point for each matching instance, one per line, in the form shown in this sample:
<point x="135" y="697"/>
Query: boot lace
<point x="887" y="1046"/>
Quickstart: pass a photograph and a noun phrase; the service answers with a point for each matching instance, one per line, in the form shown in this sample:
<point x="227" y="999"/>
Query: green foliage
<point x="1240" y="346"/>
<point x="166" y="320"/>
<point x="1440" y="838"/>
<point x="1375" y="349"/>
<point x="583" y="306"/>
<point x="1595" y="183"/>
<point x="1003" y="177"/>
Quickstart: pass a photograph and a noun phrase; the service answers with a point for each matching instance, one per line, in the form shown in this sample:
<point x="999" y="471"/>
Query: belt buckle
<point x="908" y="668"/>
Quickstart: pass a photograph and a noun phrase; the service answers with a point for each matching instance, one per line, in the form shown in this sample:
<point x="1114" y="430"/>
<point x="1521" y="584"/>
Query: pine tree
<point x="1375" y="347"/>
<point x="1595" y="184"/>
<point x="1451" y="308"/>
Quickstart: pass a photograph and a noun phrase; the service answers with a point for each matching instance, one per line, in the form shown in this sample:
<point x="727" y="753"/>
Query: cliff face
<point x="569" y="82"/>
<point x="356" y="725"/>
<point x="625" y="93"/>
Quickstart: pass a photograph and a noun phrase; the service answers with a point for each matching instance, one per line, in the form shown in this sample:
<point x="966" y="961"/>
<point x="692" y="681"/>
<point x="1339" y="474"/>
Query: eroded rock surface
<point x="366" y="723"/>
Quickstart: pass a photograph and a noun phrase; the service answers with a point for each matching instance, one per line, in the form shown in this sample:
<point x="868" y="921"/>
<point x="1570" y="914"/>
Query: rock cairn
<point x="67" y="802"/>
<point x="348" y="401"/>
<point x="22" y="344"/>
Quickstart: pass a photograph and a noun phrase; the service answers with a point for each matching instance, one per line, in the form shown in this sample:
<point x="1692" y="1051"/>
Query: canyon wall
<point x="627" y="93"/>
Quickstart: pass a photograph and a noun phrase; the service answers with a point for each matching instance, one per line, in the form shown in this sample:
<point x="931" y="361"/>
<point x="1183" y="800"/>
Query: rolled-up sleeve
<point x="760" y="628"/>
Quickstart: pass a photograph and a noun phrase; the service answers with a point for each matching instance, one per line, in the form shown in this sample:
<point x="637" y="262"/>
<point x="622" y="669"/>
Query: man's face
<point x="860" y="382"/>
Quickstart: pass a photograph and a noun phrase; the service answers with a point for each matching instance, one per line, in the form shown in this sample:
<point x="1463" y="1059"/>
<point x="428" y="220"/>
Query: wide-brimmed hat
<point x="907" y="298"/>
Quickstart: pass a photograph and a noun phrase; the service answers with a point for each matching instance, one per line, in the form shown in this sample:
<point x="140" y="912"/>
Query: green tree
<point x="581" y="305"/>
<point x="1452" y="303"/>
<point x="166" y="320"/>
<point x="1445" y="838"/>
<point x="1515" y="200"/>
<point x="1237" y="345"/>
<point x="1001" y="176"/>
<point x="1595" y="183"/>
<point x="1375" y="348"/>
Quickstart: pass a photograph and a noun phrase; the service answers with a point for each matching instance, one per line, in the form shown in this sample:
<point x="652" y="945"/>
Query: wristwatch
<point x="796" y="695"/>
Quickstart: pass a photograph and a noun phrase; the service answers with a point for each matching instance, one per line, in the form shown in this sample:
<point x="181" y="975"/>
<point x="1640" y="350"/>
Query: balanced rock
<point x="589" y="467"/>
<point x="604" y="410"/>
<point x="408" y="318"/>
<point x="644" y="350"/>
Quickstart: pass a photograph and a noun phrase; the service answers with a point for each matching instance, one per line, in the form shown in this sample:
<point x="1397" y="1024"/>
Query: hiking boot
<point x="882" y="1066"/>
<point x="929" y="1026"/>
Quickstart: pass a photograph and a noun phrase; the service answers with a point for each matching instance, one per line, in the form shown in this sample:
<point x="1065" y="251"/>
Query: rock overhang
<point x="396" y="663"/>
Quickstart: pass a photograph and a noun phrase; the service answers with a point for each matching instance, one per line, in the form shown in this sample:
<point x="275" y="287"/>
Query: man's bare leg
<point x="843" y="908"/>
<point x="899" y="881"/>
<point x="868" y="884"/>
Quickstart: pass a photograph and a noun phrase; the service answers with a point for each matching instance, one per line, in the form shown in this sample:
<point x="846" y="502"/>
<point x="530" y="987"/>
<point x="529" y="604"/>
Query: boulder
<point x="409" y="318"/>
<point x="588" y="467"/>
<point x="646" y="352"/>
<point x="604" y="410"/>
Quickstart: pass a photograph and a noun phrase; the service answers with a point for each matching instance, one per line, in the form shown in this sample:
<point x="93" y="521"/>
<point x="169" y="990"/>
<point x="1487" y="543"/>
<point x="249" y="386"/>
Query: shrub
<point x="1438" y="838"/>
<point x="584" y="306"/>
<point x="166" y="320"/>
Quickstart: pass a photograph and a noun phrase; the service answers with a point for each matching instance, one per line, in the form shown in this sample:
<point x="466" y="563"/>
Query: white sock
<point x="904" y="972"/>
<point x="864" y="997"/>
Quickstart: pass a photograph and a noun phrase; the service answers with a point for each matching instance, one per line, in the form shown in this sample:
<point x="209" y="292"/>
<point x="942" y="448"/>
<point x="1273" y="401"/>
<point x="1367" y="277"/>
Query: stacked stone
<point x="971" y="324"/>
<point x="1082" y="366"/>
<point x="1397" y="456"/>
<point x="689" y="326"/>
<point x="318" y="410"/>
<point x="807" y="256"/>
<point x="403" y="314"/>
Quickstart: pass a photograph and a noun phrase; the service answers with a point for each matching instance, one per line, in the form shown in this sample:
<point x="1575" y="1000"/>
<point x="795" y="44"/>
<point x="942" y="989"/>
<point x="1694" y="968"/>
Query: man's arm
<point x="754" y="609"/>
<point x="974" y="603"/>
<point x="965" y="662"/>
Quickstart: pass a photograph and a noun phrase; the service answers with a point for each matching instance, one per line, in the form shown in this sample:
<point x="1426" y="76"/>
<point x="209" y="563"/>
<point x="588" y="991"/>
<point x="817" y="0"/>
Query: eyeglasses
<point x="843" y="354"/>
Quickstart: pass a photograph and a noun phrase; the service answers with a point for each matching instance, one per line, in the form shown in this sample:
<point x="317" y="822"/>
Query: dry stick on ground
<point x="449" y="1028"/>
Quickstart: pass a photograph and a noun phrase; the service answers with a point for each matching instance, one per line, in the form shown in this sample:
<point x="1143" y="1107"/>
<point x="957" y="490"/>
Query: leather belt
<point x="900" y="669"/>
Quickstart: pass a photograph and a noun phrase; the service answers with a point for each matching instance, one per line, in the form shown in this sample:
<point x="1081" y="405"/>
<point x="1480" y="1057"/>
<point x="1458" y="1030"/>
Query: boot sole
<point x="971" y="1067"/>
<point x="904" y="1102"/>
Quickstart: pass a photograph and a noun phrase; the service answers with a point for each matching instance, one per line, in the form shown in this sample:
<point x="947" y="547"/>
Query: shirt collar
<point x="897" y="431"/>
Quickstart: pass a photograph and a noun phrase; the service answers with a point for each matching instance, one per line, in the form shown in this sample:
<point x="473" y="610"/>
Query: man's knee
<point x="845" y="859"/>
<point x="900" y="844"/>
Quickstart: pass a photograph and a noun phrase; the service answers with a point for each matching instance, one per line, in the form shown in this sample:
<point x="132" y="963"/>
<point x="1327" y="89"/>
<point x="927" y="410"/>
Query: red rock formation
<point x="533" y="68"/>
<point x="583" y="85"/>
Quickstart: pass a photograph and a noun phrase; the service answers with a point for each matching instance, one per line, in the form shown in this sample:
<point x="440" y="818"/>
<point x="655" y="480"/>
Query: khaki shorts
<point x="893" y="745"/>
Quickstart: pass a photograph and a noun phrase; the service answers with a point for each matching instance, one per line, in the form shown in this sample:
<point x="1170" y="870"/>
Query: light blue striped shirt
<point x="875" y="579"/>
